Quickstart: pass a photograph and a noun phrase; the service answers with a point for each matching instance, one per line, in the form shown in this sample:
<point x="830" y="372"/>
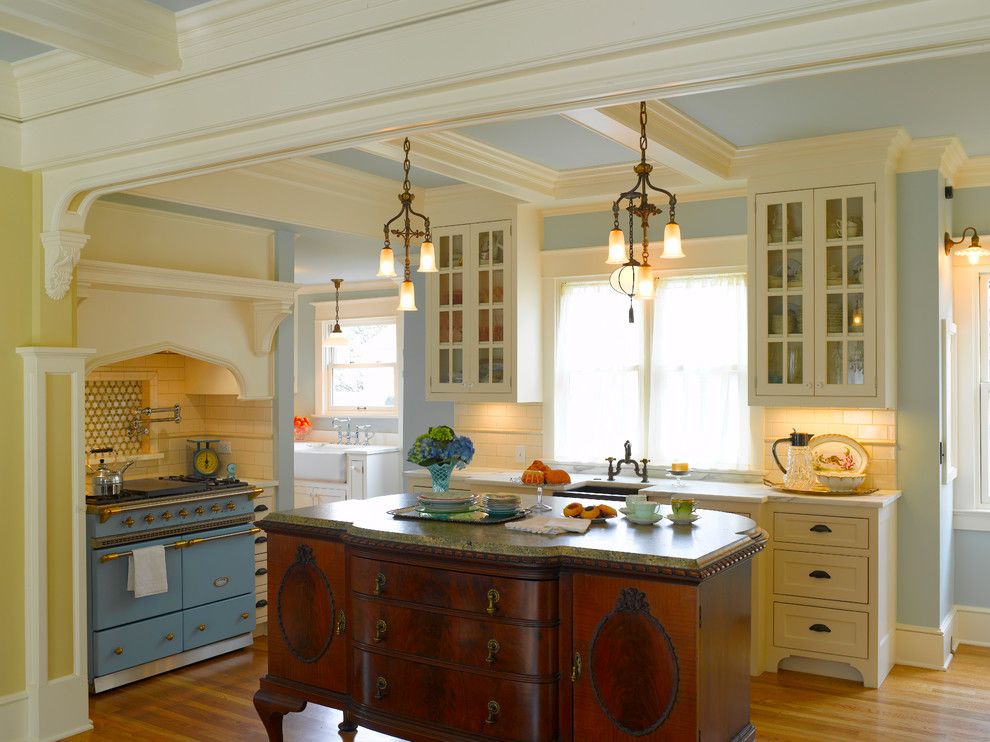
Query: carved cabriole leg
<point x="272" y="707"/>
<point x="347" y="727"/>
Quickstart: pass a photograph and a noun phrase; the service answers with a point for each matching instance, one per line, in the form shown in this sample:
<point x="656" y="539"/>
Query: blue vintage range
<point x="206" y="527"/>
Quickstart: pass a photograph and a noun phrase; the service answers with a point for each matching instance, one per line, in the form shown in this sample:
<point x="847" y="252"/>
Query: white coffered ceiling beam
<point x="673" y="139"/>
<point x="134" y="35"/>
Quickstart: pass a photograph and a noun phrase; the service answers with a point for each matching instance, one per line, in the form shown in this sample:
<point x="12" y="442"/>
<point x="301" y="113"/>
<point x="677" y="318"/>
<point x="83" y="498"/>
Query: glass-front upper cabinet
<point x="489" y="243"/>
<point x="784" y="291"/>
<point x="845" y="258"/>
<point x="449" y="348"/>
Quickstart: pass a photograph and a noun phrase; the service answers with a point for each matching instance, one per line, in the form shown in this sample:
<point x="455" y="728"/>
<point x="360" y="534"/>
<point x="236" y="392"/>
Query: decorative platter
<point x="838" y="454"/>
<point x="477" y="516"/>
<point x="820" y="491"/>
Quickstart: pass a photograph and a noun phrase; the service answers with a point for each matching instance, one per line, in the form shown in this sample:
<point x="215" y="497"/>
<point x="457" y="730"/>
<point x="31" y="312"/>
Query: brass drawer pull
<point x="118" y="651"/>
<point x="231" y="506"/>
<point x="169" y="636"/>
<point x="381" y="688"/>
<point x="245" y="614"/>
<point x="493" y="647"/>
<point x="380" y="628"/>
<point x="493" y="598"/>
<point x="576" y="667"/>
<point x="493" y="710"/>
<point x="820" y="528"/>
<point x="379" y="584"/>
<point x="166" y="515"/>
<point x="820" y="628"/>
<point x="341" y="623"/>
<point x="820" y="574"/>
<point x="202" y="627"/>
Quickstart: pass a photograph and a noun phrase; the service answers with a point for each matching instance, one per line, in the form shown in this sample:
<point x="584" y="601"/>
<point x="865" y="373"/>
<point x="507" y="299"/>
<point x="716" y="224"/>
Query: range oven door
<point x="219" y="567"/>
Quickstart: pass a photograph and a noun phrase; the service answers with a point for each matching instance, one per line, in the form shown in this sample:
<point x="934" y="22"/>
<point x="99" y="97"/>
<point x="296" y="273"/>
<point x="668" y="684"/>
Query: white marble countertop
<point x="327" y="447"/>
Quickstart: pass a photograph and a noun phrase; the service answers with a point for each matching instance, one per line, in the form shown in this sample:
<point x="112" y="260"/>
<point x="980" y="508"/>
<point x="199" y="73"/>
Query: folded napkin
<point x="146" y="572"/>
<point x="547" y="524"/>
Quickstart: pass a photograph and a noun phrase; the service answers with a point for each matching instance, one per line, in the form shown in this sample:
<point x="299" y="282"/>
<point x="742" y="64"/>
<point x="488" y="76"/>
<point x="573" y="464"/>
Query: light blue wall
<point x="717" y="218"/>
<point x="971" y="208"/>
<point x="924" y="559"/>
<point x="282" y="404"/>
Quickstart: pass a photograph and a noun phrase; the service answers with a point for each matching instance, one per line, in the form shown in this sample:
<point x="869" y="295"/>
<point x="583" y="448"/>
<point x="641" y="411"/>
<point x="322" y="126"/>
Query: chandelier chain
<point x="642" y="130"/>
<point x="406" y="185"/>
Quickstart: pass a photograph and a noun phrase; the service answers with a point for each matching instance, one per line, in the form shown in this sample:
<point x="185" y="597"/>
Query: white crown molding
<point x="113" y="206"/>
<point x="62" y="250"/>
<point x="974" y="173"/>
<point x="10" y="99"/>
<point x="945" y="154"/>
<point x="683" y="197"/>
<point x="329" y="179"/>
<point x="136" y="36"/>
<point x="349" y="287"/>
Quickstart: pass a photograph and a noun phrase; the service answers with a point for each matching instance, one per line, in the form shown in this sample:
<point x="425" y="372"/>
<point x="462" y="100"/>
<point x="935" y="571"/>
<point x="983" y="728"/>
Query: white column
<point x="55" y="707"/>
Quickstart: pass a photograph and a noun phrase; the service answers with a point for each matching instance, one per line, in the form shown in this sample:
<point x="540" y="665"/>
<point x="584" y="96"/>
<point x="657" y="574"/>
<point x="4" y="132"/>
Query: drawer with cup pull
<point x="824" y="576"/>
<point x="136" y="643"/>
<point x="482" y="644"/>
<point x="472" y="703"/>
<point x="484" y="595"/>
<point x="824" y="630"/>
<point x="222" y="620"/>
<point x="831" y="530"/>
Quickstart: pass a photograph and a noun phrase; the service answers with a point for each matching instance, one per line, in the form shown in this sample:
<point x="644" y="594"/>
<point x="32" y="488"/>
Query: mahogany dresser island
<point x="455" y="631"/>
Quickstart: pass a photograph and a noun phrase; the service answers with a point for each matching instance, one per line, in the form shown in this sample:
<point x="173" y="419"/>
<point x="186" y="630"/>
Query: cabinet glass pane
<point x="497" y="291"/>
<point x="795" y="363"/>
<point x="775" y="223"/>
<point x="795" y="315"/>
<point x="833" y="265"/>
<point x="775" y="315"/>
<point x="484" y="286"/>
<point x="833" y="219"/>
<point x="457" y="294"/>
<point x="833" y="362"/>
<point x="444" y="366"/>
<point x="484" y="369"/>
<point x="497" y="369"/>
<point x="498" y="247"/>
<point x="854" y="265"/>
<point x="855" y="314"/>
<point x="444" y="289"/>
<point x="856" y="366"/>
<point x="775" y="269"/>
<point x="483" y="333"/>
<point x="457" y="326"/>
<point x="833" y="314"/>
<point x="444" y="327"/>
<point x="497" y="325"/>
<point x="854" y="217"/>
<point x="457" y="251"/>
<point x="795" y="269"/>
<point x="775" y="363"/>
<point x="457" y="366"/>
<point x="484" y="249"/>
<point x="444" y="247"/>
<point x="795" y="228"/>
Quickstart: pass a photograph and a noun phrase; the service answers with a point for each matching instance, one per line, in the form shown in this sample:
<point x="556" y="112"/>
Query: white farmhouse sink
<point x="321" y="461"/>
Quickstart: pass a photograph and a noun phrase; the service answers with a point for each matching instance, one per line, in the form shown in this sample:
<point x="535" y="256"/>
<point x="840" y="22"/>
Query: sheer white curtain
<point x="599" y="375"/>
<point x="698" y="406"/>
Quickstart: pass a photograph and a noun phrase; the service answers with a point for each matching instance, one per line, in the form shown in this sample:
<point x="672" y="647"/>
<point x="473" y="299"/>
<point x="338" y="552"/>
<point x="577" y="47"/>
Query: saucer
<point x="683" y="521"/>
<point x="647" y="521"/>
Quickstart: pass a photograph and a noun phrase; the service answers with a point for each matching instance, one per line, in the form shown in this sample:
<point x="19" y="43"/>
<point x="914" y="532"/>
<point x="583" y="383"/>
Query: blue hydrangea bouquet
<point x="441" y="450"/>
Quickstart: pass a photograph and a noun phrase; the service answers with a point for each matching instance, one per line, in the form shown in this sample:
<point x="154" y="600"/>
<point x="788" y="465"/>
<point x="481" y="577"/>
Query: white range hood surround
<point x="126" y="311"/>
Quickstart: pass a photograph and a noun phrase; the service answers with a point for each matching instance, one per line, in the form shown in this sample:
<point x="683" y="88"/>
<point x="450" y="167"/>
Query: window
<point x="362" y="376"/>
<point x="984" y="385"/>
<point x="673" y="383"/>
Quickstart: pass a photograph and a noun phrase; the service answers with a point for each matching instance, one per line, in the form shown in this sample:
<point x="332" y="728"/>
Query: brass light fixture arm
<point x="405" y="211"/>
<point x="949" y="243"/>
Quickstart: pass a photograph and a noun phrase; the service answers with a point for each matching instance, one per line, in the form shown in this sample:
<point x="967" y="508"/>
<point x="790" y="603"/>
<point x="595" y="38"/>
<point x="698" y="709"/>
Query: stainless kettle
<point x="107" y="481"/>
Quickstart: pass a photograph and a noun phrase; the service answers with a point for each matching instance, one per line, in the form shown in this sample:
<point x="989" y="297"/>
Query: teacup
<point x="633" y="499"/>
<point x="682" y="508"/>
<point x="642" y="509"/>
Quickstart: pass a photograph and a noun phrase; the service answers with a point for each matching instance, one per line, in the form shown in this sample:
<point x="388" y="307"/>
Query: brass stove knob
<point x="149" y="518"/>
<point x="231" y="506"/>
<point x="215" y="508"/>
<point x="183" y="513"/>
<point x="202" y="627"/>
<point x="128" y="521"/>
<point x="166" y="515"/>
<point x="200" y="510"/>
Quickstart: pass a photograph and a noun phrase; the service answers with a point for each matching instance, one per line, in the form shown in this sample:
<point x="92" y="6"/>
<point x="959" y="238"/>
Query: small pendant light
<point x="336" y="337"/>
<point x="386" y="261"/>
<point x="427" y="258"/>
<point x="407" y="297"/>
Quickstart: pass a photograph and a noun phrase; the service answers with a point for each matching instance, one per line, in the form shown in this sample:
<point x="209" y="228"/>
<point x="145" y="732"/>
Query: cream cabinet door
<point x="447" y="292"/>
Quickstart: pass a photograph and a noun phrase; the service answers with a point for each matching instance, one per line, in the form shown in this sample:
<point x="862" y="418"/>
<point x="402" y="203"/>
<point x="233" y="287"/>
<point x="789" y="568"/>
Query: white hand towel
<point x="546" y="524"/>
<point x="146" y="571"/>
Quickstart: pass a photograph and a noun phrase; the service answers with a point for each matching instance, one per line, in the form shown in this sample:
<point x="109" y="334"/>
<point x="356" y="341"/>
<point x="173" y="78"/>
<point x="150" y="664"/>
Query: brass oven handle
<point x="380" y="628"/>
<point x="576" y="667"/>
<point x="493" y="598"/>
<point x="493" y="711"/>
<point x="341" y="623"/>
<point x="493" y="647"/>
<point x="183" y="544"/>
<point x="379" y="584"/>
<point x="381" y="688"/>
<point x="256" y="492"/>
<point x="108" y="513"/>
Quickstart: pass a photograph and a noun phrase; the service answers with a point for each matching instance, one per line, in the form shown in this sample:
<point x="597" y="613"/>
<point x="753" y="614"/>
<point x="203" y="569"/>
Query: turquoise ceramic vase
<point x="440" y="474"/>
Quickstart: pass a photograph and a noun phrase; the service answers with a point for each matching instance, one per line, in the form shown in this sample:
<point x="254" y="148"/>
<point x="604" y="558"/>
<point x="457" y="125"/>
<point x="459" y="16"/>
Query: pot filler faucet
<point x="628" y="459"/>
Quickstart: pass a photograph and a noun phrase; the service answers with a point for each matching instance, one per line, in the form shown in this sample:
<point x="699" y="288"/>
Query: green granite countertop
<point x="712" y="538"/>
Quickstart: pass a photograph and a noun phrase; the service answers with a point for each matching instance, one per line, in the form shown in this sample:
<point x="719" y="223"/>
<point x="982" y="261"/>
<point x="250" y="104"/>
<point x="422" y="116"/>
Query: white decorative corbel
<point x="62" y="249"/>
<point x="268" y="315"/>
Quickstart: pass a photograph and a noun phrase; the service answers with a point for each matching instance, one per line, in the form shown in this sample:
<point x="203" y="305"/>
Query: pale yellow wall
<point x="129" y="234"/>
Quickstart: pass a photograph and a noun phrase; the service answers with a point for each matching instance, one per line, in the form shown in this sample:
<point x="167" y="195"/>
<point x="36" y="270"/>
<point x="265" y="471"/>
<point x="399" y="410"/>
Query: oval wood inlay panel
<point x="633" y="666"/>
<point x="305" y="607"/>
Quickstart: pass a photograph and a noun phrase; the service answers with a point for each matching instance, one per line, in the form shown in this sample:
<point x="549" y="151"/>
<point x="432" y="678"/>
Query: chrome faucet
<point x="628" y="459"/>
<point x="336" y="423"/>
<point x="368" y="433"/>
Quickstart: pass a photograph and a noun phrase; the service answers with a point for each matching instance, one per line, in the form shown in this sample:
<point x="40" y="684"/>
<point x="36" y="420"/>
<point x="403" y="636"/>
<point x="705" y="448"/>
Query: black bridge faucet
<point x="644" y="476"/>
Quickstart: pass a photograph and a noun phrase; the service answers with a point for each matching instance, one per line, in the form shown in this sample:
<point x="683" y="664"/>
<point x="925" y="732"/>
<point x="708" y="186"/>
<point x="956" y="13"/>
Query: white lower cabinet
<point x="263" y="505"/>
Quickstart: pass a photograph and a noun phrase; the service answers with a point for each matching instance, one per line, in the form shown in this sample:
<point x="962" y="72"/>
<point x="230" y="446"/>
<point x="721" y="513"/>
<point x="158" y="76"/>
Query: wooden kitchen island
<point x="453" y="631"/>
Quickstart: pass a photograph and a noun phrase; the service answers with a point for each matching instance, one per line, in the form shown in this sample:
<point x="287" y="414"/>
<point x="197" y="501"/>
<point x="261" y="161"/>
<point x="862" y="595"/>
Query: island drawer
<point x="474" y="642"/>
<point x="821" y="530"/>
<point x="455" y="699"/>
<point x="824" y="630"/>
<point x="824" y="576"/>
<point x="483" y="595"/>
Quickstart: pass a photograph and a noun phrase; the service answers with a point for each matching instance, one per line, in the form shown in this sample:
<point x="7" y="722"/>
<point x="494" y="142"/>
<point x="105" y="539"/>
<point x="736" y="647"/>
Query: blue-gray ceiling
<point x="553" y="141"/>
<point x="14" y="48"/>
<point x="366" y="162"/>
<point x="937" y="97"/>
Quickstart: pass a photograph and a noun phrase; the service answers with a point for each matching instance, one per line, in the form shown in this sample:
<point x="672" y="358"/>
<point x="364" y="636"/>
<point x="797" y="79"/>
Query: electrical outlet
<point x="222" y="446"/>
<point x="520" y="454"/>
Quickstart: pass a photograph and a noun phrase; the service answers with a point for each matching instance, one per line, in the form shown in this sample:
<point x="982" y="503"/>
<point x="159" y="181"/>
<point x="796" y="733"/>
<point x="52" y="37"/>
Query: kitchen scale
<point x="205" y="461"/>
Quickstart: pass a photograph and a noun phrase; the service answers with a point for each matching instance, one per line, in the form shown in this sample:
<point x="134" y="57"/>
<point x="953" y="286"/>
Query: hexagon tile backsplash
<point x="110" y="406"/>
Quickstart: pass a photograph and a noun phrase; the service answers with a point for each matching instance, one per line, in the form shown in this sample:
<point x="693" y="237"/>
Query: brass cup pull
<point x="118" y="651"/>
<point x="245" y="614"/>
<point x="493" y="711"/>
<point x="379" y="584"/>
<point x="341" y="623"/>
<point x="380" y="628"/>
<point x="493" y="598"/>
<point x="202" y="627"/>
<point x="149" y="518"/>
<point x="381" y="688"/>
<point x="493" y="647"/>
<point x="576" y="667"/>
<point x="169" y="636"/>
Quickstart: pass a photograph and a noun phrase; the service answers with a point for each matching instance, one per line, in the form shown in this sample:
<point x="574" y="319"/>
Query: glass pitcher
<point x="799" y="474"/>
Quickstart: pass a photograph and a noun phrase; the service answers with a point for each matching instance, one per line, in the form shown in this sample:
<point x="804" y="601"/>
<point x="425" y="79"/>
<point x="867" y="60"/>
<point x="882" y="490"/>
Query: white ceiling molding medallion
<point x="62" y="250"/>
<point x="945" y="154"/>
<point x="268" y="315"/>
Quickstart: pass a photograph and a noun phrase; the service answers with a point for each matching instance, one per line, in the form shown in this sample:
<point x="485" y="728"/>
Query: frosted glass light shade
<point x="427" y="258"/>
<point x="616" y="248"/>
<point x="646" y="287"/>
<point x="407" y="297"/>
<point x="973" y="254"/>
<point x="336" y="338"/>
<point x="386" y="263"/>
<point x="672" y="241"/>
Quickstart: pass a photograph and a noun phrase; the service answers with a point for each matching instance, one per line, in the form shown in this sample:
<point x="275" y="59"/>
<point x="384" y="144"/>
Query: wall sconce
<point x="973" y="253"/>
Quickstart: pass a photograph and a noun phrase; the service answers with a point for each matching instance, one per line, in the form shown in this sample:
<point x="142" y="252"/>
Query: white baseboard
<point x="972" y="626"/>
<point x="64" y="712"/>
<point x="921" y="646"/>
<point x="13" y="717"/>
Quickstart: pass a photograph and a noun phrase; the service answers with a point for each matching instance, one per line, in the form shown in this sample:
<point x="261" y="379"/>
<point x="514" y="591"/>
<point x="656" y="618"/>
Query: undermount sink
<point x="604" y="489"/>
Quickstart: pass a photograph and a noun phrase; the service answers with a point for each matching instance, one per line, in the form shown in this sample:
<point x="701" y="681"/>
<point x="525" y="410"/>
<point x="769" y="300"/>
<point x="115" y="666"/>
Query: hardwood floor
<point x="211" y="702"/>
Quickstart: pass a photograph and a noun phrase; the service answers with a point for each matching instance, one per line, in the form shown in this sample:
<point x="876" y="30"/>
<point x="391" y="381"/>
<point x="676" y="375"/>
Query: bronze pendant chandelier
<point x="427" y="257"/>
<point x="635" y="278"/>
